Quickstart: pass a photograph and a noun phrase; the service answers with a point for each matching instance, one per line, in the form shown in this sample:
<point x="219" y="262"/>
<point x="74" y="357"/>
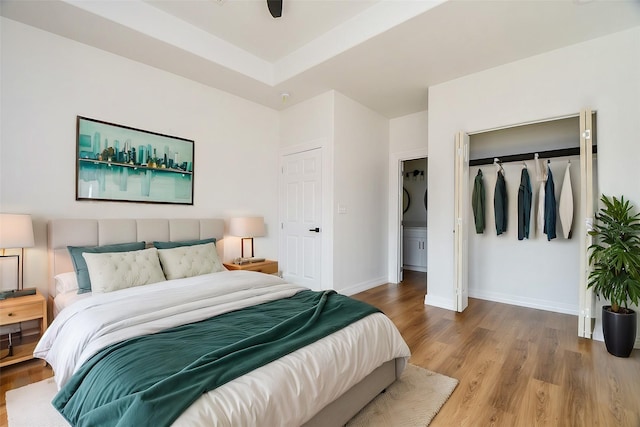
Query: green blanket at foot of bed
<point x="151" y="380"/>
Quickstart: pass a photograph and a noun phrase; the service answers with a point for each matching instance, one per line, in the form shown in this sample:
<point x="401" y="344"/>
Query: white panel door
<point x="586" y="316"/>
<point x="301" y="226"/>
<point x="461" y="209"/>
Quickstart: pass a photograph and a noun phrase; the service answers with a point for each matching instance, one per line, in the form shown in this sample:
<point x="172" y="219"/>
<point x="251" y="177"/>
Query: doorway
<point x="505" y="267"/>
<point x="414" y="215"/>
<point x="396" y="205"/>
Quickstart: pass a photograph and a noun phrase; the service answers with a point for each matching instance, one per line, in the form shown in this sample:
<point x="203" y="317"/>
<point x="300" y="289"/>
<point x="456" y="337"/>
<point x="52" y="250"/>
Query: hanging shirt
<point x="477" y="202"/>
<point x="500" y="203"/>
<point x="524" y="205"/>
<point x="550" y="207"/>
<point x="565" y="205"/>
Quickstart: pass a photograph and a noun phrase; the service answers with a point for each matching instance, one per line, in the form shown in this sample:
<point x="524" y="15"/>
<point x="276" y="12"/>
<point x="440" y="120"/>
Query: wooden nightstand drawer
<point x="21" y="313"/>
<point x="267" y="267"/>
<point x="21" y="309"/>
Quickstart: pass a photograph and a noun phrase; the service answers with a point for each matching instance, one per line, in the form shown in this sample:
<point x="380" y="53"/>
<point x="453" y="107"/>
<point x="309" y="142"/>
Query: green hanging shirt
<point x="477" y="202"/>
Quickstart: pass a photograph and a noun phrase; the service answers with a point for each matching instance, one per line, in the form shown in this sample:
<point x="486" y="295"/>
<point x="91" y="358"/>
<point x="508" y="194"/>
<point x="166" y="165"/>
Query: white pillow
<point x="119" y="270"/>
<point x="189" y="261"/>
<point x="66" y="282"/>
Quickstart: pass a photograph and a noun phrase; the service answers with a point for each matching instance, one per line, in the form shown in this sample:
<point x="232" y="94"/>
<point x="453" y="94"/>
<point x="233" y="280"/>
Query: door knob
<point x="317" y="229"/>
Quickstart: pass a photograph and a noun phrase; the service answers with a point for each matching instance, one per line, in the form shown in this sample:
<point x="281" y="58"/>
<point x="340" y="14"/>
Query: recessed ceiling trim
<point x="146" y="19"/>
<point x="158" y="24"/>
<point x="373" y="21"/>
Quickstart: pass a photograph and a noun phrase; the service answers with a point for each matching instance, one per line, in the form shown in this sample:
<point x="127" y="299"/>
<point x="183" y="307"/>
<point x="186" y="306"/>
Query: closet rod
<point x="563" y="152"/>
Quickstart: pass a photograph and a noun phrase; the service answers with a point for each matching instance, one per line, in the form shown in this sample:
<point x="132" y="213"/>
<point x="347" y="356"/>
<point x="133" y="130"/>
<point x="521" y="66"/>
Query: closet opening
<point x="504" y="261"/>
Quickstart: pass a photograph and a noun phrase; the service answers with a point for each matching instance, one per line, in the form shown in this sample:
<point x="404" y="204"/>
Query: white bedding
<point x="288" y="391"/>
<point x="65" y="299"/>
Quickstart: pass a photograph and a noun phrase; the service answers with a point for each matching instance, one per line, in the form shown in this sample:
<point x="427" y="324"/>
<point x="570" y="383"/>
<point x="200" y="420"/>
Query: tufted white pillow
<point x="189" y="261"/>
<point x="119" y="270"/>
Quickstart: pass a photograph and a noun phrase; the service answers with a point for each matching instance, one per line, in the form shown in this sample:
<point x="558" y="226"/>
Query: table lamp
<point x="16" y="231"/>
<point x="246" y="228"/>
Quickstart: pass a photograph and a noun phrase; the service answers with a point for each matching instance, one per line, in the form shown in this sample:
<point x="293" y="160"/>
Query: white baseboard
<point x="525" y="302"/>
<point x="363" y="286"/>
<point x="445" y="303"/>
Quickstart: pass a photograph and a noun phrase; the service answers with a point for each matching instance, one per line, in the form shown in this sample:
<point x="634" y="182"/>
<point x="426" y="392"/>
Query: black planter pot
<point x="619" y="331"/>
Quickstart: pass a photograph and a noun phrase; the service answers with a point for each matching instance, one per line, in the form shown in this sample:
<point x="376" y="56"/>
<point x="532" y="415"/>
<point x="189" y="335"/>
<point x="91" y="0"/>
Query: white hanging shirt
<point x="565" y="206"/>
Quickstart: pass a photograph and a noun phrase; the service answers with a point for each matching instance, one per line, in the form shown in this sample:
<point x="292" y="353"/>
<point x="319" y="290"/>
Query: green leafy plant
<point x="615" y="256"/>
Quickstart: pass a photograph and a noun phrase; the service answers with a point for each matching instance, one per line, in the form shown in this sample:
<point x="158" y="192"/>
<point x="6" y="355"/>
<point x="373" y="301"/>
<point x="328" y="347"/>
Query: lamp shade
<point x="16" y="231"/>
<point x="247" y="226"/>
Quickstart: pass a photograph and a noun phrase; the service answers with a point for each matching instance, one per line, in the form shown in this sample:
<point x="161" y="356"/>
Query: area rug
<point x="411" y="401"/>
<point x="31" y="406"/>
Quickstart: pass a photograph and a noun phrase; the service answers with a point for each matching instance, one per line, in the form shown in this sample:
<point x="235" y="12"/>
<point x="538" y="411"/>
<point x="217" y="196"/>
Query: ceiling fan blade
<point x="275" y="7"/>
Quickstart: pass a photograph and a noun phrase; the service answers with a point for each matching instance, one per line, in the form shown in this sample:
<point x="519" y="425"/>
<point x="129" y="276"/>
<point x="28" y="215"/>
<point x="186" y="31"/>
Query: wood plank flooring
<point x="516" y="366"/>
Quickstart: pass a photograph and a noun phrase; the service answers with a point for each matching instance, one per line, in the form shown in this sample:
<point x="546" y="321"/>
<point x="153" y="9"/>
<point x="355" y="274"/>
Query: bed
<point x="323" y="382"/>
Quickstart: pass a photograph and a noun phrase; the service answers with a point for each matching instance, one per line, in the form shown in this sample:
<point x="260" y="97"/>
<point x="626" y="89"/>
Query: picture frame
<point x="9" y="272"/>
<point x="119" y="163"/>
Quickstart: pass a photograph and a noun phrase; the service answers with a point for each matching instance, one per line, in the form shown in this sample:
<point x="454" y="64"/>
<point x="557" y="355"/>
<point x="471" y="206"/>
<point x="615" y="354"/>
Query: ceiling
<point x="382" y="53"/>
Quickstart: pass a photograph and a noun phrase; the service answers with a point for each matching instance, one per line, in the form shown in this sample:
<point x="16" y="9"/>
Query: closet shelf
<point x="563" y="152"/>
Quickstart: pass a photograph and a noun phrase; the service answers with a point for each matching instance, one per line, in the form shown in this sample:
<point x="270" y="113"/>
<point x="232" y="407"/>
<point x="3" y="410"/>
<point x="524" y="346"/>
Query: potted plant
<point x="615" y="257"/>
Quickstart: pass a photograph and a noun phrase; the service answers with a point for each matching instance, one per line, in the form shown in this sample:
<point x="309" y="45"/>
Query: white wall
<point x="601" y="74"/>
<point x="360" y="187"/>
<point x="48" y="80"/>
<point x="408" y="132"/>
<point x="310" y="121"/>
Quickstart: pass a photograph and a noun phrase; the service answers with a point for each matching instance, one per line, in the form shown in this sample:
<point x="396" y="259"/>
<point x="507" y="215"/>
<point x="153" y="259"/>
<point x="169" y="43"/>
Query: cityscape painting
<point x="120" y="163"/>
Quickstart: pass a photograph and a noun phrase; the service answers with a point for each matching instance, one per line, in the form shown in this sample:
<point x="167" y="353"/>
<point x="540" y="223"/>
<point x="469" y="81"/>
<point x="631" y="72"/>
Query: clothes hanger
<point x="498" y="164"/>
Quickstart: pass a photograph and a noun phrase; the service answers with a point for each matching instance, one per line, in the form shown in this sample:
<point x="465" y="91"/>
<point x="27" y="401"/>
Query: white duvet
<point x="288" y="391"/>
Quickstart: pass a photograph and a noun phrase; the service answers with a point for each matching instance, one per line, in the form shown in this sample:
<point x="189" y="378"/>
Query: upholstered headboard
<point x="98" y="232"/>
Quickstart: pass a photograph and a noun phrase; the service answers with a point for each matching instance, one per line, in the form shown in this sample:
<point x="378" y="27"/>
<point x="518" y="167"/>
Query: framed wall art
<point x="123" y="164"/>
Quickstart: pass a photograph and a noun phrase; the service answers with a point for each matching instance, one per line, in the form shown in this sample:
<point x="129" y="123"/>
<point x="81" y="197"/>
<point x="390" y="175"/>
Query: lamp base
<point x="242" y="261"/>
<point x="242" y="246"/>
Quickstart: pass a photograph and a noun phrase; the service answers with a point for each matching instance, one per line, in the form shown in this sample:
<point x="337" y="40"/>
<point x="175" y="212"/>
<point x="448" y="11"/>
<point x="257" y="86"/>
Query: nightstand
<point x="267" y="266"/>
<point x="22" y="309"/>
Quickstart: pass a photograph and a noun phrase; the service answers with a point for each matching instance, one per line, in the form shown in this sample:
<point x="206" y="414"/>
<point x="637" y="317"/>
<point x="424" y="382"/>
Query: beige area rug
<point x="411" y="401"/>
<point x="30" y="406"/>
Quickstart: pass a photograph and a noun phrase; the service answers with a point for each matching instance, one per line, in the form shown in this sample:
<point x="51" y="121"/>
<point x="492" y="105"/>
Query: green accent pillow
<point x="171" y="245"/>
<point x="80" y="265"/>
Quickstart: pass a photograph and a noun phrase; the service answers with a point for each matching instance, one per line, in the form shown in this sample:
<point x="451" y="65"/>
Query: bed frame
<point x="98" y="232"/>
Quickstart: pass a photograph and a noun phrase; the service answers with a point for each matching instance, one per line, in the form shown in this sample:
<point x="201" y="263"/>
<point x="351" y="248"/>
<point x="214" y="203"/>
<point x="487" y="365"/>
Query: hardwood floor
<point x="516" y="366"/>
